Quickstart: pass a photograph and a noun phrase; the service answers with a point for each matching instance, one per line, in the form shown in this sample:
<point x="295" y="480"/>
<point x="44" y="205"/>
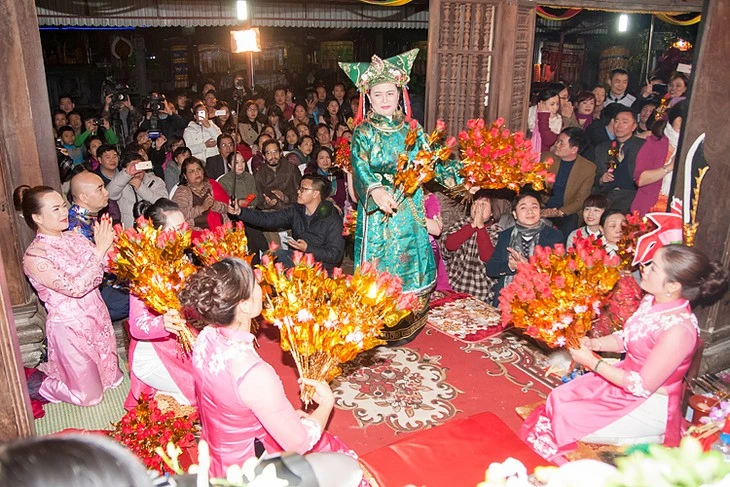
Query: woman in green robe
<point x="391" y="229"/>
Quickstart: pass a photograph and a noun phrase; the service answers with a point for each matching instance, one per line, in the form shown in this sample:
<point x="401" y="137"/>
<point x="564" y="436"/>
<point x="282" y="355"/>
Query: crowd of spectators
<point x="612" y="151"/>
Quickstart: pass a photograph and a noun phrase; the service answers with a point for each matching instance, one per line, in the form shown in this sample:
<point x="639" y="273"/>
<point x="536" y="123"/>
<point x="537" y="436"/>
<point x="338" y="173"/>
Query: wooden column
<point x="27" y="153"/>
<point x="27" y="156"/>
<point x="16" y="418"/>
<point x="479" y="61"/>
<point x="708" y="108"/>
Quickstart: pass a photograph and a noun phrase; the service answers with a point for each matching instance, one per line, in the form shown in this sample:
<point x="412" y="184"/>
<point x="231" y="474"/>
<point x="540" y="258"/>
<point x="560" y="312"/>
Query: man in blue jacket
<point x="315" y="224"/>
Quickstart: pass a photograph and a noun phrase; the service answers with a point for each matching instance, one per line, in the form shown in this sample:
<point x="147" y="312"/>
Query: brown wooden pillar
<point x="708" y="108"/>
<point x="27" y="156"/>
<point x="479" y="61"/>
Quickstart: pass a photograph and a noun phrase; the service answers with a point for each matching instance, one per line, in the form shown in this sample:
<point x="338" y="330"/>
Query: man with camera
<point x="123" y="116"/>
<point x="133" y="184"/>
<point x="161" y="118"/>
<point x="97" y="126"/>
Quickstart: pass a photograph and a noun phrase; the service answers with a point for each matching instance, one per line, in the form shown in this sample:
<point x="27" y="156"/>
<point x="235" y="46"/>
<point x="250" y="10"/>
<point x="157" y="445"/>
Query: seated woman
<point x="240" y="397"/>
<point x="585" y="105"/>
<point x="66" y="269"/>
<point x="322" y="166"/>
<point x="469" y="245"/>
<point x="301" y="156"/>
<point x="291" y="138"/>
<point x="518" y="243"/>
<point x="612" y="227"/>
<point x="638" y="399"/>
<point x="593" y="208"/>
<point x="202" y="201"/>
<point x="240" y="184"/>
<point x="155" y="363"/>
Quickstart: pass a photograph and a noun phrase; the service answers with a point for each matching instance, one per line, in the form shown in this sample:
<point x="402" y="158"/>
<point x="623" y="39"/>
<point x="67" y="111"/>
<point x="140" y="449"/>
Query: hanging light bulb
<point x="242" y="9"/>
<point x="623" y="23"/>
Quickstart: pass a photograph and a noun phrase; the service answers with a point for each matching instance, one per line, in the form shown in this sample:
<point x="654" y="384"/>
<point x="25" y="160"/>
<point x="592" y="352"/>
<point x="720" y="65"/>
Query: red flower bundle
<point x="555" y="296"/>
<point x="493" y="157"/>
<point x="620" y="304"/>
<point x="343" y="155"/>
<point x="350" y="223"/>
<point x="146" y="427"/>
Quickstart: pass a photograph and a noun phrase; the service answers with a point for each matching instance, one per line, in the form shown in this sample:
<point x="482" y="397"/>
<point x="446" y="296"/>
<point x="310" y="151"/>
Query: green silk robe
<point x="399" y="243"/>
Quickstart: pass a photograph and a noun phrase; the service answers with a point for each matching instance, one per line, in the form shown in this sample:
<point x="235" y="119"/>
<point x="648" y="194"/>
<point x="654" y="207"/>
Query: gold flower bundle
<point x="634" y="227"/>
<point x="327" y="320"/>
<point x="412" y="173"/>
<point x="343" y="155"/>
<point x="493" y="157"/>
<point x="154" y="262"/>
<point x="555" y="296"/>
<point x="227" y="240"/>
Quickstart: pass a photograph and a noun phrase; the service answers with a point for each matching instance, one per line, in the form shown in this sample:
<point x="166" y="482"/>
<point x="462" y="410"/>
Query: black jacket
<point x="322" y="232"/>
<point x="215" y="167"/>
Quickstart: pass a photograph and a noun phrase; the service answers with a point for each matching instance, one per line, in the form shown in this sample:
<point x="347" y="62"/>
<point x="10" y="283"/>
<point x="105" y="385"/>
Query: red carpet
<point x="390" y="393"/>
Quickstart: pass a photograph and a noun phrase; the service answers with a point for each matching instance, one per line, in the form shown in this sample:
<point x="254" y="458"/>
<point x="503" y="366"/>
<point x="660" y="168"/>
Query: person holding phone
<point x="134" y="183"/>
<point x="201" y="134"/>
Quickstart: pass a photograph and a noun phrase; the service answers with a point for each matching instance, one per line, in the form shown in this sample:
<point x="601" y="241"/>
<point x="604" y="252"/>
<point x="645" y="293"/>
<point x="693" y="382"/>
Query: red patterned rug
<point x="390" y="392"/>
<point x="464" y="318"/>
<point x="397" y="387"/>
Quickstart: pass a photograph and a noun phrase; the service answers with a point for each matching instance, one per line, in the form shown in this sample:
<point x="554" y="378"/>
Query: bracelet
<point x="595" y="369"/>
<point x="666" y="171"/>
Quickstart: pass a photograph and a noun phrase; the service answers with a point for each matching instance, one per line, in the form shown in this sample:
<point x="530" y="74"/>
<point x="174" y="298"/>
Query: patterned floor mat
<point x="464" y="318"/>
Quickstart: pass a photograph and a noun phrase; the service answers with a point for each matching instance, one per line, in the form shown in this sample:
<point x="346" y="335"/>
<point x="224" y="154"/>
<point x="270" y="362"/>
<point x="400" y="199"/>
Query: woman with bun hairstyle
<point x="636" y="400"/>
<point x="66" y="269"/>
<point x="155" y="364"/>
<point x="240" y="397"/>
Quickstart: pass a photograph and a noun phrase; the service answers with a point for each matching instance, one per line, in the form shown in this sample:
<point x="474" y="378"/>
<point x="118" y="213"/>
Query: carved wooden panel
<point x="461" y="44"/>
<point x="480" y="61"/>
<point x="522" y="67"/>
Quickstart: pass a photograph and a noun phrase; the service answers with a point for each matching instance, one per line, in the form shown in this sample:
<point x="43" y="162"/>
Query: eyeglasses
<point x="301" y="190"/>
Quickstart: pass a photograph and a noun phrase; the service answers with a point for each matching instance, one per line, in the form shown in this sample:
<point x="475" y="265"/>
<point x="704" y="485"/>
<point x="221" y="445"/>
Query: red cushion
<point x="456" y="453"/>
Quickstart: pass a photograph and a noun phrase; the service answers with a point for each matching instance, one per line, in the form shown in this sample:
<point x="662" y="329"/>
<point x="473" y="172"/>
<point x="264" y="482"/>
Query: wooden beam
<point x="673" y="6"/>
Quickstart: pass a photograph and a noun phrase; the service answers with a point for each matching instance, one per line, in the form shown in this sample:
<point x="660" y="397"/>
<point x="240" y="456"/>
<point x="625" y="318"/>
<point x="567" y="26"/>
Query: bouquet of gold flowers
<point x="343" y="155"/>
<point x="412" y="173"/>
<point x="555" y="296"/>
<point x="635" y="227"/>
<point x="225" y="241"/>
<point x="495" y="158"/>
<point x="154" y="262"/>
<point x="327" y="320"/>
